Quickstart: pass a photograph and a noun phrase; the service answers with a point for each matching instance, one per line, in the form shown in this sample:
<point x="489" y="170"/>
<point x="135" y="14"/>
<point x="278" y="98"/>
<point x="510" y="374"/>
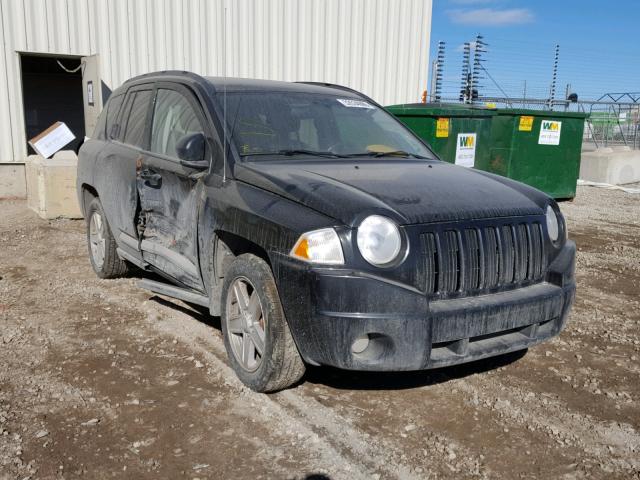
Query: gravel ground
<point x="100" y="379"/>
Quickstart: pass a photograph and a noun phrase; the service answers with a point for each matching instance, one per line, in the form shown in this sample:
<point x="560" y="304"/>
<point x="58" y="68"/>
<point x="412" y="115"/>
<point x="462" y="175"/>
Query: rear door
<point x="115" y="176"/>
<point x="170" y="192"/>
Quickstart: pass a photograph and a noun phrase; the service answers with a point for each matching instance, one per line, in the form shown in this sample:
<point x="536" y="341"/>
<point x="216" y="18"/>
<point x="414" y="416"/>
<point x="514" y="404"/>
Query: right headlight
<point x="553" y="224"/>
<point x="379" y="240"/>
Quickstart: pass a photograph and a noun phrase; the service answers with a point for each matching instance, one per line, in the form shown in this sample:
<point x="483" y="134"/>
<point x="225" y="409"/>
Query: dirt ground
<point x="100" y="379"/>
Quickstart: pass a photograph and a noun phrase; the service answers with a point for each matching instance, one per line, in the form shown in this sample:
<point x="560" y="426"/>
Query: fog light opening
<point x="360" y="344"/>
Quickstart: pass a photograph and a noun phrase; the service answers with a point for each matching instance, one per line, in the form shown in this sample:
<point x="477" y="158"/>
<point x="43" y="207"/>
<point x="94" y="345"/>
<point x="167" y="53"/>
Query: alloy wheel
<point x="245" y="324"/>
<point x="97" y="239"/>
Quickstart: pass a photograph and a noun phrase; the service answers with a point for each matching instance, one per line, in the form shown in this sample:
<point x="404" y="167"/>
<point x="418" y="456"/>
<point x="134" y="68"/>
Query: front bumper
<point x="328" y="309"/>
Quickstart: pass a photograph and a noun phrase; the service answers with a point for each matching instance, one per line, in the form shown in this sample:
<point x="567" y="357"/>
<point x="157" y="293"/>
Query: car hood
<point x="409" y="191"/>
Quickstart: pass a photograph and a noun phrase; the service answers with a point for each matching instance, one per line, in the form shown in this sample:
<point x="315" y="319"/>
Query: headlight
<point x="553" y="225"/>
<point x="379" y="240"/>
<point x="319" y="246"/>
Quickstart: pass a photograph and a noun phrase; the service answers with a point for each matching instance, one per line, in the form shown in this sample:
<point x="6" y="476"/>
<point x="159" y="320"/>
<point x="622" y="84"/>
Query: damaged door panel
<point x="169" y="191"/>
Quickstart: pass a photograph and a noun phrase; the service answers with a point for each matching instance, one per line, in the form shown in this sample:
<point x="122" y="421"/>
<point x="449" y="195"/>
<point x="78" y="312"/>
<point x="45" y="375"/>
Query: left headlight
<point x="319" y="246"/>
<point x="379" y="240"/>
<point x="553" y="224"/>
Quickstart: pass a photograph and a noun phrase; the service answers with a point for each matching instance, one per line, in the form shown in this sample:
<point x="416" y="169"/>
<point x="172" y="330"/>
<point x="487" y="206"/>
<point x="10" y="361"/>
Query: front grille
<point x="481" y="258"/>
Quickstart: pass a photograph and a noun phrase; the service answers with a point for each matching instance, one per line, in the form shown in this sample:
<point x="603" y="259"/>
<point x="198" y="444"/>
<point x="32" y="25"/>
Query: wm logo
<point x="550" y="126"/>
<point x="466" y="141"/>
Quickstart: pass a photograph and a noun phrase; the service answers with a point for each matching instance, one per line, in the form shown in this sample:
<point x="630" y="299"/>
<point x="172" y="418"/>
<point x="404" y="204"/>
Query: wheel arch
<point x="88" y="193"/>
<point x="226" y="246"/>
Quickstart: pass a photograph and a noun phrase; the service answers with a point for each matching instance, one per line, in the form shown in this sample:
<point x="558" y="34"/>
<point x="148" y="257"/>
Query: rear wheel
<point x="259" y="344"/>
<point x="102" y="245"/>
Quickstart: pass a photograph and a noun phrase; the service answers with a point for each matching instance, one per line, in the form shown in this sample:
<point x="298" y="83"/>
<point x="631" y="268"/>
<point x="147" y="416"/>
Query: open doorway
<point x="51" y="92"/>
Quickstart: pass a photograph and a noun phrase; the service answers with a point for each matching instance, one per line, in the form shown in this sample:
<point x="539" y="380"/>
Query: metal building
<point x="380" y="47"/>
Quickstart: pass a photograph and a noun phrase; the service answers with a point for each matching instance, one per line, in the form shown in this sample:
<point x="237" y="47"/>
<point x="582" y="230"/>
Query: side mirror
<point x="190" y="150"/>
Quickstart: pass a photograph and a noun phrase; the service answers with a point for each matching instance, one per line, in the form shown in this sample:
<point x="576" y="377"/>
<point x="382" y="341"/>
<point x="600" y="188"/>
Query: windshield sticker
<point x="351" y="103"/>
<point x="466" y="149"/>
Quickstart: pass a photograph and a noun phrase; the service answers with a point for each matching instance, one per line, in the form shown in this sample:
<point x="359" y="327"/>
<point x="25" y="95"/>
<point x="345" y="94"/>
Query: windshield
<point x="286" y="123"/>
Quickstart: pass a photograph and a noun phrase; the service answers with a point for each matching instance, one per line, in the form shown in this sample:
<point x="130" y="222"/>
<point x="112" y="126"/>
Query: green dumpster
<point x="458" y="134"/>
<point x="539" y="148"/>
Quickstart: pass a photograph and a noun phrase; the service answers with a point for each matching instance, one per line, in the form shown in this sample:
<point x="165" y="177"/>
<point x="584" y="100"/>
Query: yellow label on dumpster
<point x="442" y="128"/>
<point x="526" y="123"/>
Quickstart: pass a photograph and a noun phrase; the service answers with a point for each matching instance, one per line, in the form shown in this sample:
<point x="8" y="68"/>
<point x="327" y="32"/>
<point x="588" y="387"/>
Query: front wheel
<point x="259" y="344"/>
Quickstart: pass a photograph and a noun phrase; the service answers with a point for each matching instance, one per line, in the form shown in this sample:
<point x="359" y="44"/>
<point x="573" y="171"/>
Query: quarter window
<point x="134" y="130"/>
<point x="173" y="118"/>
<point x="113" y="108"/>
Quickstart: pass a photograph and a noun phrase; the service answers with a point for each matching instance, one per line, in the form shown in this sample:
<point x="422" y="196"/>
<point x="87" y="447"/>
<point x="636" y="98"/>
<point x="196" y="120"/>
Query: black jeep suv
<point x="318" y="227"/>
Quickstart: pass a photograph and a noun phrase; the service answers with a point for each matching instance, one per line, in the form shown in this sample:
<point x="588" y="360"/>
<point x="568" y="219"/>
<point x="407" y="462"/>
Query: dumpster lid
<point x="439" y="110"/>
<point x="539" y="113"/>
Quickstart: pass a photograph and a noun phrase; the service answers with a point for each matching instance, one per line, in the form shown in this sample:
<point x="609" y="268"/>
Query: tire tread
<point x="113" y="266"/>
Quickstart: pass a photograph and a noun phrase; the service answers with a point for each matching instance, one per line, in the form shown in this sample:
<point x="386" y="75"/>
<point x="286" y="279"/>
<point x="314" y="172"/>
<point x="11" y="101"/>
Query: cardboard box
<point x="54" y="138"/>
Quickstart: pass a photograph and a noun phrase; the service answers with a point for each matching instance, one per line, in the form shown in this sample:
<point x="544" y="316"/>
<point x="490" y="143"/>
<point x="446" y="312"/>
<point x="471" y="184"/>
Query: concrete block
<point x="616" y="166"/>
<point x="12" y="180"/>
<point x="51" y="185"/>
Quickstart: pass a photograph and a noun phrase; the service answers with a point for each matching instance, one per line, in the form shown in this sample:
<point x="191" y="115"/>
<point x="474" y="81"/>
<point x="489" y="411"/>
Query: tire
<point x="102" y="246"/>
<point x="274" y="364"/>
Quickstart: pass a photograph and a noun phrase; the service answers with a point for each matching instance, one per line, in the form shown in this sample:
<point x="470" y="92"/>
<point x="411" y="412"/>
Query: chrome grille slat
<point x="473" y="259"/>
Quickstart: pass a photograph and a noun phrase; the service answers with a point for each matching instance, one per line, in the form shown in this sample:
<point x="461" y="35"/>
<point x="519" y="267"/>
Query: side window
<point x="137" y="114"/>
<point x="113" y="107"/>
<point x="173" y="118"/>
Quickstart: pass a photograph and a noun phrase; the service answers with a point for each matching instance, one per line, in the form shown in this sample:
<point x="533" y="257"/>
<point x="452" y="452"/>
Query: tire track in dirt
<point x="337" y="440"/>
<point x="563" y="425"/>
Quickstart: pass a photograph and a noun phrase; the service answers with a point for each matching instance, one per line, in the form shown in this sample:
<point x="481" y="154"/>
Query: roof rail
<point x="342" y="87"/>
<point x="166" y="73"/>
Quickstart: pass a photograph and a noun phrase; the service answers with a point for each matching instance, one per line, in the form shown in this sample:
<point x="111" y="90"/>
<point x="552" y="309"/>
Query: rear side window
<point x="111" y="129"/>
<point x="173" y="118"/>
<point x="136" y="108"/>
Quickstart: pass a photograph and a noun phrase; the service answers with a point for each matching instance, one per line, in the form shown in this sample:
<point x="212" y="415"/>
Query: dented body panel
<point x="480" y="276"/>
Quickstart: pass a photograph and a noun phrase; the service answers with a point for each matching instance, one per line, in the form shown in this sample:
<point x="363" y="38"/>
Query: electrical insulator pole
<point x="478" y="50"/>
<point x="436" y="83"/>
<point x="465" y="93"/>
<point x="554" y="77"/>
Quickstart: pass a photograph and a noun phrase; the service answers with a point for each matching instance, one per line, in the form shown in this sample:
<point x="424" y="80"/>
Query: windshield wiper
<point x="302" y="151"/>
<point x="394" y="153"/>
<point x="296" y="151"/>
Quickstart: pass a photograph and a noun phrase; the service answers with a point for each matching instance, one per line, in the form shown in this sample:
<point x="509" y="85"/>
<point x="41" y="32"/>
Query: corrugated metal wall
<point x="380" y="47"/>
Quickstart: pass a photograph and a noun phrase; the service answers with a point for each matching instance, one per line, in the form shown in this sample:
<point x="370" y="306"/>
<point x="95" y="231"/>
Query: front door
<point x="170" y="192"/>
